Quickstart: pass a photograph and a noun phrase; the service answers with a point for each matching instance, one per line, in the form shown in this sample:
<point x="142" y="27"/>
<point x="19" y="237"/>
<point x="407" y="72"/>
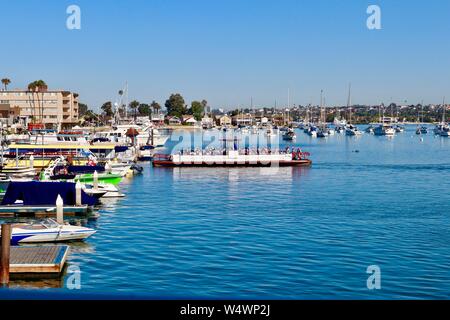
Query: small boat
<point x="352" y="130"/>
<point x="289" y="135"/>
<point x="110" y="178"/>
<point x="48" y="230"/>
<point x="384" y="130"/>
<point x="370" y="129"/>
<point x="422" y="130"/>
<point x="399" y="129"/>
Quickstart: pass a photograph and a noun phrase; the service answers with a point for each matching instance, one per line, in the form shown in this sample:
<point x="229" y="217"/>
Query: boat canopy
<point x="38" y="193"/>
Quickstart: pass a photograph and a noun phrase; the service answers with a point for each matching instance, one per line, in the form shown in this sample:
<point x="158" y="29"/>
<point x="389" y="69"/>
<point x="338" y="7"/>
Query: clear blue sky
<point x="226" y="51"/>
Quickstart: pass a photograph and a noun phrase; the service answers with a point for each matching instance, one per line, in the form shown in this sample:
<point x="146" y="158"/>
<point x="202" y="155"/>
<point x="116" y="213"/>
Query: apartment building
<point x="50" y="107"/>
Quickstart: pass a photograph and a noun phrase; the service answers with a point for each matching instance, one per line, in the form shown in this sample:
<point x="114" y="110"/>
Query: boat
<point x="370" y="129"/>
<point x="43" y="194"/>
<point x="48" y="230"/>
<point x="110" y="178"/>
<point x="442" y="129"/>
<point x="145" y="153"/>
<point x="289" y="135"/>
<point x="399" y="128"/>
<point x="352" y="130"/>
<point x="384" y="130"/>
<point x="234" y="157"/>
<point x="422" y="130"/>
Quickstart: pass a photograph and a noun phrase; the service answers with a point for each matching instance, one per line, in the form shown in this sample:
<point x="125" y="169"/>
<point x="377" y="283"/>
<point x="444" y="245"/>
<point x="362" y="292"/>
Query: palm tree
<point x="36" y="87"/>
<point x="6" y="82"/>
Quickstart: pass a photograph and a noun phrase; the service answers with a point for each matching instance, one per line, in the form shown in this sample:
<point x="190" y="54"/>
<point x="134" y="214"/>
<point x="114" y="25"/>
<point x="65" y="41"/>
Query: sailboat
<point x="351" y="130"/>
<point x="421" y="129"/>
<point x="322" y="131"/>
<point x="384" y="129"/>
<point x="442" y="129"/>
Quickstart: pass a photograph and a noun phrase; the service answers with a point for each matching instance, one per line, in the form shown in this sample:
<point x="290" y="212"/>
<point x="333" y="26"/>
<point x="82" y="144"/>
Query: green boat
<point x="102" y="178"/>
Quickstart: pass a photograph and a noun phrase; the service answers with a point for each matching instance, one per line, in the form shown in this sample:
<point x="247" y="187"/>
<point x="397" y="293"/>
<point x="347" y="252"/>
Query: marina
<point x="229" y="222"/>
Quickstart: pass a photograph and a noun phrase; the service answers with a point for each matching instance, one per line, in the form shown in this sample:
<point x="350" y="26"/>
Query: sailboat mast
<point x="349" y="102"/>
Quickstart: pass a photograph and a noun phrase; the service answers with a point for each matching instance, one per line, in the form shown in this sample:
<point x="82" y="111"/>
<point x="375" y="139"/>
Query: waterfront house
<point x="173" y="120"/>
<point x="207" y="121"/>
<point x="223" y="120"/>
<point x="242" y="120"/>
<point x="189" y="120"/>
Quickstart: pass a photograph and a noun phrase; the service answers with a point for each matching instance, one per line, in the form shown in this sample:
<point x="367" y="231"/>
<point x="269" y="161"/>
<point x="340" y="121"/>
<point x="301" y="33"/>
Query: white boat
<point x="352" y="130"/>
<point x="384" y="130"/>
<point x="48" y="230"/>
<point x="289" y="135"/>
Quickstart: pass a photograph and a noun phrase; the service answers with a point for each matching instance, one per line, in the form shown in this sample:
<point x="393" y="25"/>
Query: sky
<point x="230" y="52"/>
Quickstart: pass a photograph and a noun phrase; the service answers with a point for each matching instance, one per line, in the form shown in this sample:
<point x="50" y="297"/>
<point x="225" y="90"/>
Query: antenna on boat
<point x="349" y="97"/>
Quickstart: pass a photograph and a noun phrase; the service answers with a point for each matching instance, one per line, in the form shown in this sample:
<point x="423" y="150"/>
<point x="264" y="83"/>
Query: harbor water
<point x="294" y="233"/>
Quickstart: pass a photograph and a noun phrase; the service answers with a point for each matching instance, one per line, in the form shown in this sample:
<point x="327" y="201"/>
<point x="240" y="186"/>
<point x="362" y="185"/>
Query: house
<point x="207" y="122"/>
<point x="173" y="120"/>
<point x="158" y="118"/>
<point x="223" y="120"/>
<point x="242" y="120"/>
<point x="189" y="120"/>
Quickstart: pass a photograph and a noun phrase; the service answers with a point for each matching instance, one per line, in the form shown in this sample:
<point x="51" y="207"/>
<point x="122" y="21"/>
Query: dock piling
<point x="59" y="210"/>
<point x="95" y="177"/>
<point x="78" y="193"/>
<point x="5" y="254"/>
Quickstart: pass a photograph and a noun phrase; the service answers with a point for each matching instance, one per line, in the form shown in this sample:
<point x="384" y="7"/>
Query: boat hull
<point x="292" y="163"/>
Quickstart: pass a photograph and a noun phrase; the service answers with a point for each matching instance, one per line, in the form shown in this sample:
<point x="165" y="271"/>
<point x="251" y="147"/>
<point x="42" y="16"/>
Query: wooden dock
<point x="38" y="259"/>
<point x="41" y="211"/>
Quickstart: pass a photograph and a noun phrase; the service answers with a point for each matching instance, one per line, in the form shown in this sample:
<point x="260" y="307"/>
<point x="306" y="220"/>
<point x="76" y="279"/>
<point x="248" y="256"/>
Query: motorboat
<point x="384" y="130"/>
<point x="399" y="128"/>
<point x="422" y="130"/>
<point x="48" y="230"/>
<point x="352" y="130"/>
<point x="370" y="129"/>
<point x="289" y="135"/>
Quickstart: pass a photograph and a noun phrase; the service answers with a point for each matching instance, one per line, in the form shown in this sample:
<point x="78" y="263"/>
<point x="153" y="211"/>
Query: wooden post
<point x="78" y="193"/>
<point x="5" y="254"/>
<point x="95" y="176"/>
<point x="59" y="210"/>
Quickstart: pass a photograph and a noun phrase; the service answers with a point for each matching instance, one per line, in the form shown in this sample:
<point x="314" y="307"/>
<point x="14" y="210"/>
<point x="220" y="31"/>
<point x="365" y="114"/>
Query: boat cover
<point x="39" y="193"/>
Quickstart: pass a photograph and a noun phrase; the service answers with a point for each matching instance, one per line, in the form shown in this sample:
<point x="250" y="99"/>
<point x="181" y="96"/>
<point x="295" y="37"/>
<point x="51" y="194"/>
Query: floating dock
<point x="38" y="259"/>
<point x="41" y="211"/>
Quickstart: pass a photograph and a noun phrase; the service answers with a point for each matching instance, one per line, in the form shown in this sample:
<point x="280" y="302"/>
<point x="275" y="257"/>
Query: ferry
<point x="234" y="158"/>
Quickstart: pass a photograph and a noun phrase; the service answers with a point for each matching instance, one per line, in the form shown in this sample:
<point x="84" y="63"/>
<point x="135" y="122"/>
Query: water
<point x="282" y="233"/>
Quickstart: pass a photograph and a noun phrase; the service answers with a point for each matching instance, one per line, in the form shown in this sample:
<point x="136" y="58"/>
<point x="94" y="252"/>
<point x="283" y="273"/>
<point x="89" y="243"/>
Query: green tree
<point x="197" y="110"/>
<point x="107" y="109"/>
<point x="6" y="82"/>
<point x="82" y="109"/>
<point x="133" y="107"/>
<point x="175" y="105"/>
<point x="144" y="109"/>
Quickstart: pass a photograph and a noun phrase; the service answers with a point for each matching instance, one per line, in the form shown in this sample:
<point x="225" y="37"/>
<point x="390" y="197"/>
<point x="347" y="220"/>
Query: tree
<point x="205" y="105"/>
<point x="6" y="82"/>
<point x="82" y="109"/>
<point x="107" y="109"/>
<point x="144" y="109"/>
<point x="36" y="87"/>
<point x="133" y="106"/>
<point x="197" y="110"/>
<point x="175" y="105"/>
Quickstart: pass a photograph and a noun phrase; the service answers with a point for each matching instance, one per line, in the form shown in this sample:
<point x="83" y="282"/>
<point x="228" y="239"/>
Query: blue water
<point x="282" y="232"/>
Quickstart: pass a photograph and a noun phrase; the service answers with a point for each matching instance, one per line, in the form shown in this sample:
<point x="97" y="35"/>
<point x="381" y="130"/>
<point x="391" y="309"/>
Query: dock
<point x="41" y="211"/>
<point x="38" y="259"/>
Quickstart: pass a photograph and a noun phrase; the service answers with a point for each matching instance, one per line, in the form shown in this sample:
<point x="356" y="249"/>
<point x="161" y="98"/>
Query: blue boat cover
<point x="81" y="169"/>
<point x="39" y="193"/>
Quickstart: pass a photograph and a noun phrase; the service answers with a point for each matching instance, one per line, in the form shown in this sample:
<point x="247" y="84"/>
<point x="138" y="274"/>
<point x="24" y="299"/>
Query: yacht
<point x="384" y="130"/>
<point x="352" y="130"/>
